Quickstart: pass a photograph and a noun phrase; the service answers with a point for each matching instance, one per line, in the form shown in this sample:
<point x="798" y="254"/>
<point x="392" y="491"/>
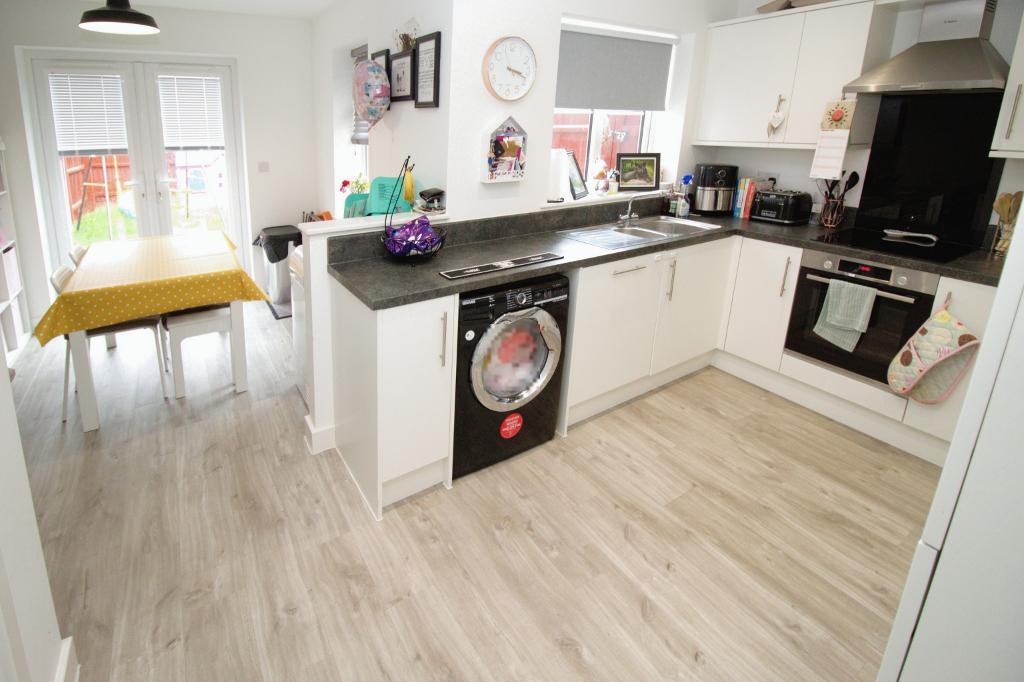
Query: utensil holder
<point x="831" y="215"/>
<point x="1004" y="233"/>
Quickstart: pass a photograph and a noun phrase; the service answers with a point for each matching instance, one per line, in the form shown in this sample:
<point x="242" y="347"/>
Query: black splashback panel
<point x="929" y="168"/>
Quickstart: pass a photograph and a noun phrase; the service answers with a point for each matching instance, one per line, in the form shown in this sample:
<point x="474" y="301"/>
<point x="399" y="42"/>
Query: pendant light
<point x="118" y="17"/>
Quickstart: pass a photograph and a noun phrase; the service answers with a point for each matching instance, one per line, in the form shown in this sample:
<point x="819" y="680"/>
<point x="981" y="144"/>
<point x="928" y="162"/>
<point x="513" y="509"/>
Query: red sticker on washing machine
<point x="511" y="425"/>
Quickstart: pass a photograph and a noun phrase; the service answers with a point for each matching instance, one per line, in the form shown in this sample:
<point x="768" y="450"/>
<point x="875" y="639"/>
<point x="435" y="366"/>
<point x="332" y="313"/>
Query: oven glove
<point x="845" y="313"/>
<point x="934" y="361"/>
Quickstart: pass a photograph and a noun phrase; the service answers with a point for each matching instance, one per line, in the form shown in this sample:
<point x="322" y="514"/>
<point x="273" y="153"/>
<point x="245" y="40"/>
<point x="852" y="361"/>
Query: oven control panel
<point x="870" y="272"/>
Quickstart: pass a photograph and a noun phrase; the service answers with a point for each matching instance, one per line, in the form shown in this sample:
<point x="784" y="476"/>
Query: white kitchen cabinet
<point x="616" y="311"/>
<point x="749" y="66"/>
<point x="696" y="291"/>
<point x="761" y="302"/>
<point x="970" y="303"/>
<point x="832" y="53"/>
<point x="394" y="392"/>
<point x="794" y="62"/>
<point x="416" y="376"/>
<point x="1009" y="135"/>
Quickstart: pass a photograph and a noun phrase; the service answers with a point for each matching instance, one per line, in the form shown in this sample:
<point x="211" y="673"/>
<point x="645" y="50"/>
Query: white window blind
<point x="88" y="114"/>
<point x="191" y="111"/>
<point x="360" y="128"/>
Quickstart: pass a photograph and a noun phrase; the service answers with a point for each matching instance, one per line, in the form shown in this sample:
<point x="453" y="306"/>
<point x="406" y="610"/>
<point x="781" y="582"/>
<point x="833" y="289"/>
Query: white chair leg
<point x="160" y="361"/>
<point x="164" y="347"/>
<point x="238" y="367"/>
<point x="111" y="341"/>
<point x="67" y="378"/>
<point x="176" y="367"/>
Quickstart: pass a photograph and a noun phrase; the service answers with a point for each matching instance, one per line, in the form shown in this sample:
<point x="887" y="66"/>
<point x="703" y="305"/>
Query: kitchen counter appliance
<point x="715" y="189"/>
<point x="903" y="302"/>
<point x="508" y="370"/>
<point x="786" y="207"/>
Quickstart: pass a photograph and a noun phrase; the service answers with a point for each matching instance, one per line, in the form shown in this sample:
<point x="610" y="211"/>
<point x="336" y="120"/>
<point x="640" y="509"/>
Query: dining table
<point x="123" y="280"/>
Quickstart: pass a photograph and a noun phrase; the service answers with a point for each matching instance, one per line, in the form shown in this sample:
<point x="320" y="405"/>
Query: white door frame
<point x="27" y="59"/>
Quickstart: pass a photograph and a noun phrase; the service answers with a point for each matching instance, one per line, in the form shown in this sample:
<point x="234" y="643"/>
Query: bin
<point x="275" y="242"/>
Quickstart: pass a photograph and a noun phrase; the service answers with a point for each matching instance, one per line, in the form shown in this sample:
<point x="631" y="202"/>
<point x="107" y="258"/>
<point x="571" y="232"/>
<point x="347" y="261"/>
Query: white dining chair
<point x="59" y="279"/>
<point x="185" y="324"/>
<point x="77" y="253"/>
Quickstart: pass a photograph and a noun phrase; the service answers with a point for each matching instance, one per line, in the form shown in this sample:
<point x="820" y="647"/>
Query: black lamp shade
<point x="118" y="17"/>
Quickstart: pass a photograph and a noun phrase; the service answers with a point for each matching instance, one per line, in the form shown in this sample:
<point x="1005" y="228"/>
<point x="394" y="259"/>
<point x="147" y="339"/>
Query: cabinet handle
<point x="444" y="338"/>
<point x="785" y="274"/>
<point x="1013" y="111"/>
<point x="628" y="270"/>
<point x="672" y="281"/>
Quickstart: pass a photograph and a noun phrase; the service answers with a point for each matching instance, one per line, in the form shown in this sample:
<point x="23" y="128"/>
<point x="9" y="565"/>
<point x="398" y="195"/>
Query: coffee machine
<point x="715" y="189"/>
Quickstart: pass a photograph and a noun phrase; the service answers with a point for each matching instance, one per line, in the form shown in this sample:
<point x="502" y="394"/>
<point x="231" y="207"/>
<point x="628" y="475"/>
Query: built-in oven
<point x="903" y="303"/>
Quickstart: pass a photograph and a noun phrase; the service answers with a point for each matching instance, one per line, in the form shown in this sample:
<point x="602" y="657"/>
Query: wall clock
<point x="509" y="68"/>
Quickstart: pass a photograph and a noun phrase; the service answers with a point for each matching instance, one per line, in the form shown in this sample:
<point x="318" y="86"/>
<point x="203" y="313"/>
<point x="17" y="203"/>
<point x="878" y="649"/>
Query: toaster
<point x="781" y="206"/>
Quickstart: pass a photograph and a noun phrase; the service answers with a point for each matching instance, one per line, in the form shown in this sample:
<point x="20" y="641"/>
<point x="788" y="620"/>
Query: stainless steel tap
<point x="626" y="219"/>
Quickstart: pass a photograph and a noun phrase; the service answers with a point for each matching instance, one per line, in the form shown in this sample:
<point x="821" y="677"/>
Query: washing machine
<point x="509" y="370"/>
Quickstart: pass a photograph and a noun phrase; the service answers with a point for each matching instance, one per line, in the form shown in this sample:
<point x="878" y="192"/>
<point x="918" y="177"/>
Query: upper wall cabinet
<point x="1009" y="136"/>
<point x="786" y="66"/>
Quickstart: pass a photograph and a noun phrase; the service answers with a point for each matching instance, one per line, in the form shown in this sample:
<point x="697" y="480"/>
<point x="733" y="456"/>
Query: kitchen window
<point x="596" y="135"/>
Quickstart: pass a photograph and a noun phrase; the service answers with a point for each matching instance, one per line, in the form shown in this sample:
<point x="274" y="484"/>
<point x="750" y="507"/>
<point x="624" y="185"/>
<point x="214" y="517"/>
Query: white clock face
<point x="510" y="67"/>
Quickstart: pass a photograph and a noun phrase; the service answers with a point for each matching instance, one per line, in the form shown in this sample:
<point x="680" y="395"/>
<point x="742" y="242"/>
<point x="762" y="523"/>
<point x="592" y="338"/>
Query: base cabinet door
<point x="417" y="363"/>
<point x="616" y="310"/>
<point x="971" y="304"/>
<point x="761" y="302"/>
<point x="696" y="291"/>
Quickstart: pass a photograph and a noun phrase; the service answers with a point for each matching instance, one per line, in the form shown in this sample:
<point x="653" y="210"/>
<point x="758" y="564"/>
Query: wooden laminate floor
<point x="709" y="530"/>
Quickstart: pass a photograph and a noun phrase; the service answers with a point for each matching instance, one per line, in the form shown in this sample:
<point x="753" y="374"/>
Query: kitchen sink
<point x="655" y="228"/>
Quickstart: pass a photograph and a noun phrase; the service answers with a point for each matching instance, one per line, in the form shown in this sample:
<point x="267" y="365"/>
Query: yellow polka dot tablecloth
<point x="119" y="281"/>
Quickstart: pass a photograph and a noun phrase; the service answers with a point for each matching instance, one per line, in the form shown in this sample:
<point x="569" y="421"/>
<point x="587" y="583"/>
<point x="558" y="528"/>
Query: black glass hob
<point x="941" y="252"/>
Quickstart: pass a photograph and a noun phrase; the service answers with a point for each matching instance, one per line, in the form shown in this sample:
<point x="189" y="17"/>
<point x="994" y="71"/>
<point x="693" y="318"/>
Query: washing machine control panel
<point x="519" y="298"/>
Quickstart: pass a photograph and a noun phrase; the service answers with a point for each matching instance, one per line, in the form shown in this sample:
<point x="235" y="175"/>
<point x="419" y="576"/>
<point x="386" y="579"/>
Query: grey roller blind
<point x="191" y="112"/>
<point x="607" y="72"/>
<point x="88" y="114"/>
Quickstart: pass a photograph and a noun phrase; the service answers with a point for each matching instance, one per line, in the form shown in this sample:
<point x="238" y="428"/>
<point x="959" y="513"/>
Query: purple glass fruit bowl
<point x="414" y="239"/>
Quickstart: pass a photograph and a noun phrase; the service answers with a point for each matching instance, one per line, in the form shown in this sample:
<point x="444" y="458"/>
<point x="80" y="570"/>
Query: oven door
<point x="896" y="316"/>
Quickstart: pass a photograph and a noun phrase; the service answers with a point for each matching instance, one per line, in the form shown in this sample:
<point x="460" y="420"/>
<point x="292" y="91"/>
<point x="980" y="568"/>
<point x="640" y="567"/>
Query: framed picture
<point x="577" y="185"/>
<point x="638" y="172"/>
<point x="428" y="70"/>
<point x="403" y="76"/>
<point x="383" y="59"/>
<point x="505" y="153"/>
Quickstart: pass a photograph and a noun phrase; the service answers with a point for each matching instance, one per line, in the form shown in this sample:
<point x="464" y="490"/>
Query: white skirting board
<point x="67" y="666"/>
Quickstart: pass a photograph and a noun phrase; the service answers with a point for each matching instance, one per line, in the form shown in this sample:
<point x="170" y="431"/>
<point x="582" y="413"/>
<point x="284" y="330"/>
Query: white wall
<point x="30" y="641"/>
<point x="275" y="80"/>
<point x="406" y="130"/>
<point x="447" y="143"/>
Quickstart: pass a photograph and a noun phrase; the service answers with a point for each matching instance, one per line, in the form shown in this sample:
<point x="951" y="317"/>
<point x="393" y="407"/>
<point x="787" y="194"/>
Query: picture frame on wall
<point x="428" y="70"/>
<point x="403" y="76"/>
<point x="383" y="59"/>
<point x="577" y="185"/>
<point x="638" y="172"/>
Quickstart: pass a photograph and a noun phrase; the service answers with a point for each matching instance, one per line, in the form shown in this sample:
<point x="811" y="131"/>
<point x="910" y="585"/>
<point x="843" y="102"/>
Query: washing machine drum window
<point x="515" y="359"/>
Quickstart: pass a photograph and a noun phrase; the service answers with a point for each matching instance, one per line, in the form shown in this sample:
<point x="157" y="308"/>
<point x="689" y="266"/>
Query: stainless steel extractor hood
<point x="952" y="53"/>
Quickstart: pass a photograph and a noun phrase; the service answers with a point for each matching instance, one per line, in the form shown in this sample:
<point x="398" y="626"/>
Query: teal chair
<point x="355" y="205"/>
<point x="381" y="194"/>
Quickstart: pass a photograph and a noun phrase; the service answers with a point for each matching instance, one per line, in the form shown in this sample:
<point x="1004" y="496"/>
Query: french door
<point x="134" y="149"/>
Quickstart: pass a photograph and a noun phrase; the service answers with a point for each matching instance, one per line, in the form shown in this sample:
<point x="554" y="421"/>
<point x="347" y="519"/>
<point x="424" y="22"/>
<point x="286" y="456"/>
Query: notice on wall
<point x="830" y="154"/>
<point x="425" y="56"/>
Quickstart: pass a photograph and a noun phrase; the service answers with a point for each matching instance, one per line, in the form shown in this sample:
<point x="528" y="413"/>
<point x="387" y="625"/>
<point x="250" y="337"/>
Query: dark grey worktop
<point x="383" y="282"/>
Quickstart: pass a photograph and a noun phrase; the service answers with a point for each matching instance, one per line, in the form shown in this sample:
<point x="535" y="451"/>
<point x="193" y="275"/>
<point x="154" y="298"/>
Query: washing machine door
<point x="515" y="359"/>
